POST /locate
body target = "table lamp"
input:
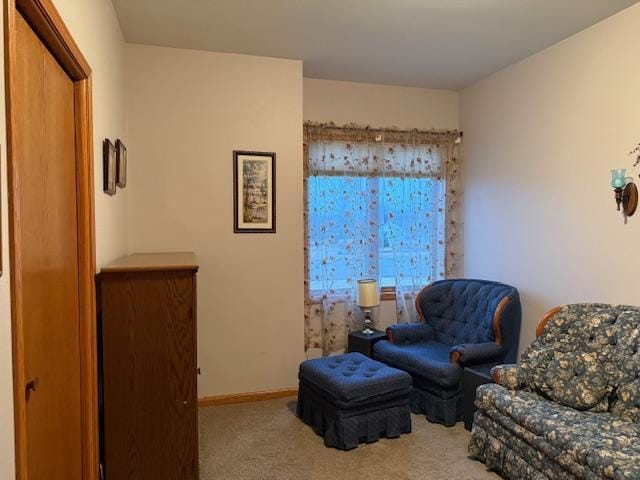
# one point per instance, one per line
(367, 299)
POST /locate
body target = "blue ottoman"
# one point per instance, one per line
(351, 398)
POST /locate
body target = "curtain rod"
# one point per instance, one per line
(372, 129)
(393, 130)
(315, 129)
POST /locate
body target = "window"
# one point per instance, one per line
(373, 214)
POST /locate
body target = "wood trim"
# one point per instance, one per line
(417, 302)
(497, 319)
(46, 22)
(17, 332)
(389, 332)
(49, 26)
(545, 320)
(387, 294)
(153, 262)
(246, 397)
(87, 273)
(455, 358)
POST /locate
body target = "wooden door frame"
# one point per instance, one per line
(47, 23)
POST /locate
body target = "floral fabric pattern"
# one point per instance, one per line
(603, 444)
(572, 407)
(378, 204)
(509, 376)
(585, 354)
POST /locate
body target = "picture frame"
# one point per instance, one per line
(109, 162)
(121, 164)
(254, 192)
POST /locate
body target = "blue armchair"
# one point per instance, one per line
(463, 322)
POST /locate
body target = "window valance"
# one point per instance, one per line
(374, 159)
(353, 133)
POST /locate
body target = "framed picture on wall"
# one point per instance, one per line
(254, 192)
(109, 167)
(121, 164)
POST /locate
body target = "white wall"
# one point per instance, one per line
(379, 106)
(188, 110)
(540, 138)
(95, 28)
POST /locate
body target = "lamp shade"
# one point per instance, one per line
(368, 293)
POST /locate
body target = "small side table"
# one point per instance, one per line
(363, 343)
(472, 378)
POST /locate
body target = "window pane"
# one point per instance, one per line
(341, 234)
(375, 210)
(409, 220)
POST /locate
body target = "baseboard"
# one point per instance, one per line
(246, 397)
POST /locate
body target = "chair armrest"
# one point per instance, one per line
(404, 333)
(508, 376)
(474, 353)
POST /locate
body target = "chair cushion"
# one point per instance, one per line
(626, 402)
(588, 358)
(606, 444)
(353, 377)
(429, 360)
(461, 311)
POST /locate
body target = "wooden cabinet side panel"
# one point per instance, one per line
(118, 319)
(149, 374)
(181, 354)
(194, 317)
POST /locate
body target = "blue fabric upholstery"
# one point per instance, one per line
(462, 311)
(458, 317)
(405, 333)
(477, 353)
(353, 377)
(426, 359)
(351, 398)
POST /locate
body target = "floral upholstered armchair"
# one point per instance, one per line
(571, 409)
(463, 322)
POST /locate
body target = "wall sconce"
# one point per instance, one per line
(625, 190)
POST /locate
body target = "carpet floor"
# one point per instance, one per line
(266, 441)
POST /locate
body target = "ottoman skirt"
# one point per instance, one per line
(347, 420)
(345, 428)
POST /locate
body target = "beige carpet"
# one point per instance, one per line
(266, 441)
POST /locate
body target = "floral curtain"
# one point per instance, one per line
(378, 204)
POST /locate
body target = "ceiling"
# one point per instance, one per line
(423, 43)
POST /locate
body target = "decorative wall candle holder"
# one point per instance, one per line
(626, 192)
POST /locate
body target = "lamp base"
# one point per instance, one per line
(368, 323)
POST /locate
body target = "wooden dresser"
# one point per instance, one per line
(149, 372)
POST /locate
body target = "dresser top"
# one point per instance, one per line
(153, 262)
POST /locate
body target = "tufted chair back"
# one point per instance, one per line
(463, 311)
(587, 356)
